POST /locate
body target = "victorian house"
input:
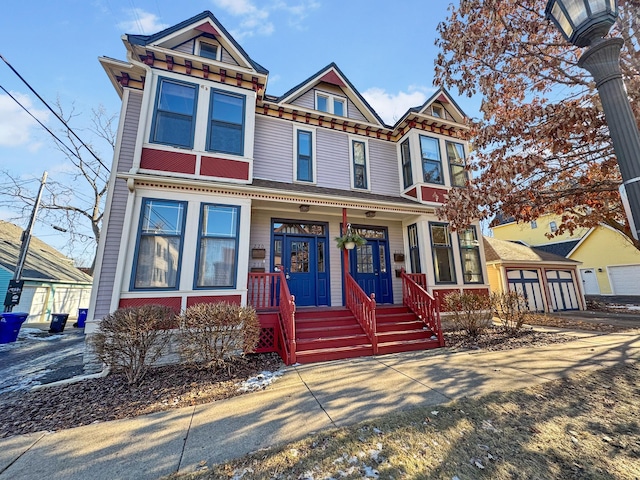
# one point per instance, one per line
(222, 192)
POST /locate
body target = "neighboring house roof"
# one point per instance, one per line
(206, 15)
(560, 248)
(43, 261)
(332, 74)
(510, 252)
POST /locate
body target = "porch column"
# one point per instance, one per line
(345, 252)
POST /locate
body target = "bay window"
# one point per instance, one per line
(159, 244)
(217, 246)
(226, 124)
(431, 160)
(470, 255)
(442, 253)
(455, 155)
(174, 114)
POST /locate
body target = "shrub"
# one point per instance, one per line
(511, 308)
(211, 333)
(470, 312)
(131, 339)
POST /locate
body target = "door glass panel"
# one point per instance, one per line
(383, 258)
(277, 252)
(320, 257)
(364, 255)
(299, 257)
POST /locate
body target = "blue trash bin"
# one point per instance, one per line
(58, 322)
(10, 323)
(82, 316)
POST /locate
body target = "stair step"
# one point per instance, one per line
(326, 323)
(404, 336)
(328, 331)
(399, 326)
(407, 346)
(331, 342)
(392, 309)
(323, 355)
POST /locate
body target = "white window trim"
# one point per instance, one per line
(330, 99)
(216, 44)
(367, 163)
(441, 114)
(314, 157)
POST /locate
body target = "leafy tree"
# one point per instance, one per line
(542, 144)
(74, 197)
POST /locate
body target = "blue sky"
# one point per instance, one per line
(385, 48)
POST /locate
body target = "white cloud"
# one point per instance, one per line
(257, 20)
(391, 106)
(16, 126)
(141, 22)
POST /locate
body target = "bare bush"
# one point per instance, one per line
(511, 308)
(131, 339)
(470, 312)
(211, 333)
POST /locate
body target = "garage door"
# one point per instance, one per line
(562, 289)
(527, 284)
(625, 279)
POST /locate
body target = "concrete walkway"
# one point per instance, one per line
(307, 399)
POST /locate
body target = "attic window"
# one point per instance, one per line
(209, 50)
(437, 111)
(325, 102)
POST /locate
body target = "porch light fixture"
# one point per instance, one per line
(304, 208)
(584, 23)
(370, 214)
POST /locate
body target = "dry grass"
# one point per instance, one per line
(583, 427)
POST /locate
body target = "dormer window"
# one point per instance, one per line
(437, 111)
(325, 102)
(209, 50)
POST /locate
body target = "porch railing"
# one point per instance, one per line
(426, 307)
(269, 291)
(363, 308)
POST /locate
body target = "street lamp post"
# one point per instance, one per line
(584, 23)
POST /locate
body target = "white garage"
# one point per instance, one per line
(625, 279)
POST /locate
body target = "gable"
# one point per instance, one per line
(441, 105)
(335, 85)
(605, 246)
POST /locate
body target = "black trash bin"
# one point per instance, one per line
(58, 321)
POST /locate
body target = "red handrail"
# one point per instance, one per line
(425, 306)
(269, 291)
(287, 318)
(363, 308)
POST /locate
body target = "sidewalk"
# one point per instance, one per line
(307, 399)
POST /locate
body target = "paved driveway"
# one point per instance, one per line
(38, 357)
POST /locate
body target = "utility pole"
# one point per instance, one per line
(15, 285)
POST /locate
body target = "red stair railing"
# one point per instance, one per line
(363, 308)
(269, 291)
(426, 307)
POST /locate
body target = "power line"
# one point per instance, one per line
(54, 112)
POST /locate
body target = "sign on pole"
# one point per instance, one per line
(14, 291)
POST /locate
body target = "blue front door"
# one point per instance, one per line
(370, 268)
(299, 262)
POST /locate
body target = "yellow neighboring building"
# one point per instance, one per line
(610, 264)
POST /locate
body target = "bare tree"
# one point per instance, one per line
(74, 196)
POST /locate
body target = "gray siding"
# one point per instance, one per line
(186, 47)
(332, 156)
(353, 112)
(306, 100)
(273, 150)
(383, 163)
(112, 231)
(225, 57)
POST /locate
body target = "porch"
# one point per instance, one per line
(361, 328)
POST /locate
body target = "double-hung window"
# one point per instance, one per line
(407, 175)
(174, 115)
(218, 246)
(157, 262)
(304, 156)
(431, 160)
(359, 154)
(455, 155)
(226, 124)
(331, 104)
(208, 50)
(414, 249)
(470, 255)
(442, 253)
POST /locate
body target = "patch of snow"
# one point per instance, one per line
(377, 430)
(260, 381)
(238, 474)
(370, 472)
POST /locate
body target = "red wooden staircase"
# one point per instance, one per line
(334, 333)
